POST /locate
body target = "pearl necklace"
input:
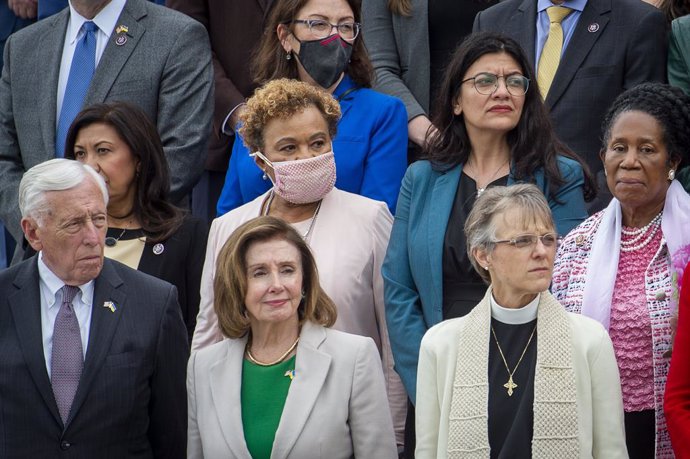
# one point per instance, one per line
(644, 234)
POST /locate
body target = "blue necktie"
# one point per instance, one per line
(80, 74)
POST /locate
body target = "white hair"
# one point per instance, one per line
(54, 175)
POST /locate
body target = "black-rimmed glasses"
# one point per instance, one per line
(320, 28)
(530, 240)
(487, 83)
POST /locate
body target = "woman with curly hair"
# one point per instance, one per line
(616, 266)
(319, 42)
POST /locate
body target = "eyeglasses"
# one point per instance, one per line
(530, 240)
(487, 83)
(319, 28)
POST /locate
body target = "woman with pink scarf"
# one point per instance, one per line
(616, 266)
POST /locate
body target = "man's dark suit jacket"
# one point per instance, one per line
(235, 28)
(616, 45)
(131, 401)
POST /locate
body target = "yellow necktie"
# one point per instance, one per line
(551, 54)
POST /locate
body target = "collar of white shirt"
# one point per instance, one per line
(51, 285)
(105, 20)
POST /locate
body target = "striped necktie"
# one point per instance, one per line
(551, 54)
(78, 82)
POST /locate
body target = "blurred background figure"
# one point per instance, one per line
(234, 28)
(616, 266)
(493, 130)
(289, 125)
(410, 43)
(517, 376)
(584, 53)
(319, 391)
(319, 42)
(145, 231)
(677, 396)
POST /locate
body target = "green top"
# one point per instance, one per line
(264, 390)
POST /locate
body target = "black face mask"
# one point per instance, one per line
(326, 59)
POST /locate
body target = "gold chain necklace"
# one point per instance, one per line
(481, 189)
(510, 385)
(280, 359)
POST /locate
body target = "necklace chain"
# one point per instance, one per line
(267, 208)
(510, 385)
(112, 241)
(275, 362)
(481, 189)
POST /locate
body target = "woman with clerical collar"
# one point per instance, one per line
(518, 376)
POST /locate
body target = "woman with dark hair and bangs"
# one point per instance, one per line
(492, 130)
(145, 231)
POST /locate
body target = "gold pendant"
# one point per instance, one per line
(510, 385)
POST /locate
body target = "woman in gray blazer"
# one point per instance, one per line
(284, 385)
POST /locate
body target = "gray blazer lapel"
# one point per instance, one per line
(311, 369)
(442, 198)
(103, 326)
(114, 56)
(582, 41)
(49, 56)
(523, 28)
(25, 304)
(226, 396)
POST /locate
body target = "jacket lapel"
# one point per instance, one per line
(49, 50)
(103, 326)
(441, 204)
(115, 56)
(311, 369)
(522, 28)
(582, 41)
(226, 397)
(25, 304)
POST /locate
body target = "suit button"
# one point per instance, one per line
(65, 445)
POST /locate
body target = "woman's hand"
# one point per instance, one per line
(419, 128)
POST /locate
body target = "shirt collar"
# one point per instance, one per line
(518, 316)
(577, 5)
(345, 84)
(105, 19)
(52, 284)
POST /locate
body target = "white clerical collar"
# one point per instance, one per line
(517, 316)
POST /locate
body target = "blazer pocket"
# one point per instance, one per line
(122, 359)
(595, 71)
(134, 86)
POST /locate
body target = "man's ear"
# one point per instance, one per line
(32, 233)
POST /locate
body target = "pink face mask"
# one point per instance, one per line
(303, 181)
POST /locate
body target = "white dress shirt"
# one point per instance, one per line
(51, 300)
(106, 20)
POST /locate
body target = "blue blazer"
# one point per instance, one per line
(412, 269)
(370, 151)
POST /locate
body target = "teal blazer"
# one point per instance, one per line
(412, 269)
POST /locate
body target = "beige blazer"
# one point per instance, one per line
(587, 350)
(349, 241)
(335, 407)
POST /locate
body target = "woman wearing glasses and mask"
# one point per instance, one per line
(493, 130)
(288, 126)
(319, 42)
(518, 376)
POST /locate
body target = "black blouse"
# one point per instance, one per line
(462, 286)
(511, 418)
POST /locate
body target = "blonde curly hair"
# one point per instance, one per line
(282, 99)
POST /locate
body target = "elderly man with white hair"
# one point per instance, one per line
(92, 353)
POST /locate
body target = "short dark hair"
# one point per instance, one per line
(533, 143)
(269, 63)
(230, 282)
(670, 106)
(159, 218)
